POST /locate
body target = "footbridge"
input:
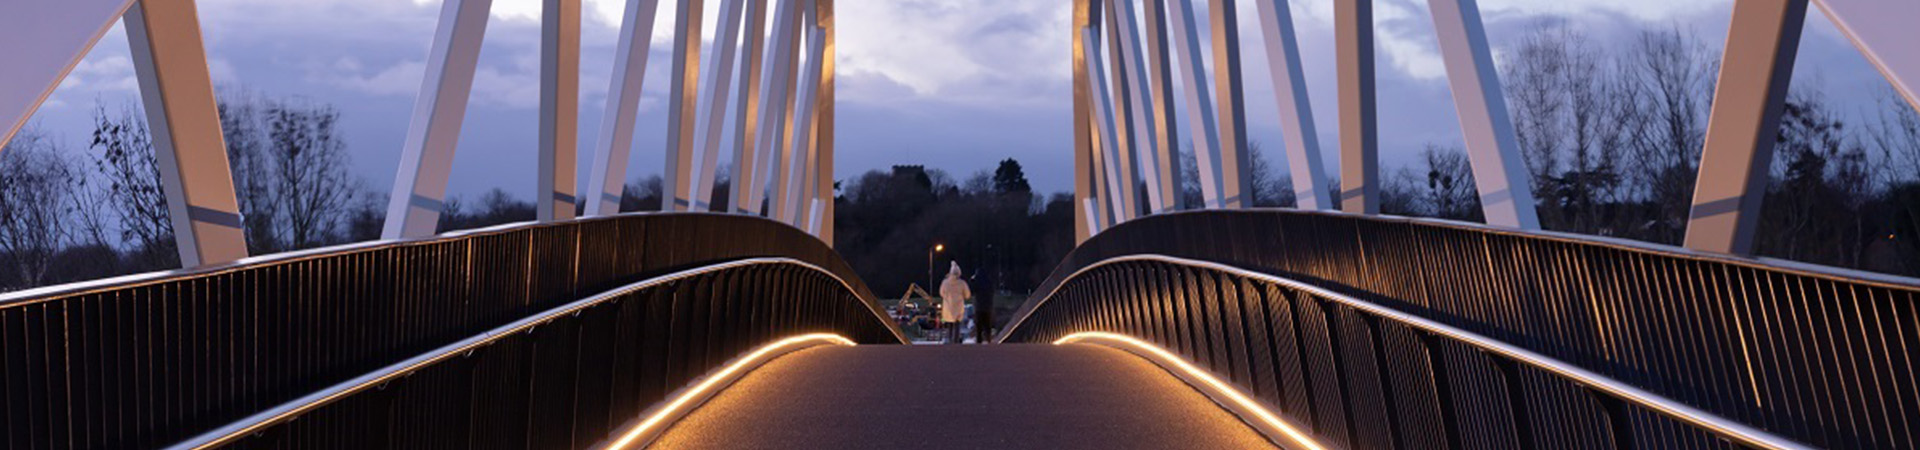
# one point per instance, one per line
(1170, 325)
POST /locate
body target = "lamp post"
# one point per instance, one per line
(932, 288)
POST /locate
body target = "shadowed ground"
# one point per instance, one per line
(927, 397)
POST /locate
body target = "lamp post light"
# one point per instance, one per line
(931, 287)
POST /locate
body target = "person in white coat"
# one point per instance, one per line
(953, 303)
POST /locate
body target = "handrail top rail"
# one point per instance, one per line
(41, 294)
(1757, 262)
(324, 396)
(1670, 408)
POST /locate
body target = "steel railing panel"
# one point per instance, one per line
(144, 360)
(1819, 355)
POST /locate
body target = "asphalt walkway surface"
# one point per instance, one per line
(960, 397)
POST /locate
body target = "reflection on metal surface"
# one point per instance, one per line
(1596, 382)
(288, 411)
(1263, 419)
(660, 419)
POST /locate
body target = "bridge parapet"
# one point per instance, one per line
(148, 360)
(1814, 355)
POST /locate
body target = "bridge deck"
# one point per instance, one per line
(922, 397)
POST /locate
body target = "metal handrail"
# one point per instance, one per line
(307, 403)
(1667, 407)
(43, 294)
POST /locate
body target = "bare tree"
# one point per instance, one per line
(35, 183)
(1819, 187)
(1536, 84)
(312, 188)
(1574, 114)
(1270, 188)
(1896, 134)
(240, 123)
(125, 161)
(1675, 72)
(1450, 192)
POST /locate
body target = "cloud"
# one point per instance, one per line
(402, 78)
(948, 47)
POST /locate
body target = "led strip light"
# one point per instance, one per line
(660, 420)
(1262, 420)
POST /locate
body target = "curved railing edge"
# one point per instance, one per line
(44, 293)
(1670, 408)
(307, 403)
(1841, 274)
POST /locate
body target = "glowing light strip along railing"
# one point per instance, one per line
(310, 402)
(662, 419)
(1676, 410)
(1164, 358)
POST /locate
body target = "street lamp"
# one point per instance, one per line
(932, 288)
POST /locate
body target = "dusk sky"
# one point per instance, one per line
(954, 84)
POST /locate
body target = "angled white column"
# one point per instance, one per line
(1193, 80)
(1102, 201)
(1296, 112)
(426, 157)
(1120, 155)
(559, 108)
(823, 126)
(1359, 144)
(60, 33)
(1754, 73)
(1147, 153)
(1160, 77)
(746, 112)
(606, 179)
(1109, 133)
(677, 171)
(713, 104)
(1236, 179)
(1506, 195)
(774, 143)
(802, 165)
(1883, 30)
(189, 149)
(798, 187)
(1086, 218)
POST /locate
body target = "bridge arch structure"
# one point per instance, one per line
(1325, 326)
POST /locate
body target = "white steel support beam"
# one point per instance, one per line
(1109, 132)
(559, 108)
(426, 157)
(1160, 77)
(806, 164)
(822, 226)
(782, 143)
(1754, 74)
(1296, 112)
(677, 171)
(1193, 80)
(1120, 156)
(1142, 119)
(606, 179)
(188, 148)
(1103, 216)
(803, 162)
(746, 112)
(1236, 181)
(777, 82)
(1883, 31)
(1506, 195)
(1086, 217)
(1359, 142)
(60, 32)
(713, 104)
